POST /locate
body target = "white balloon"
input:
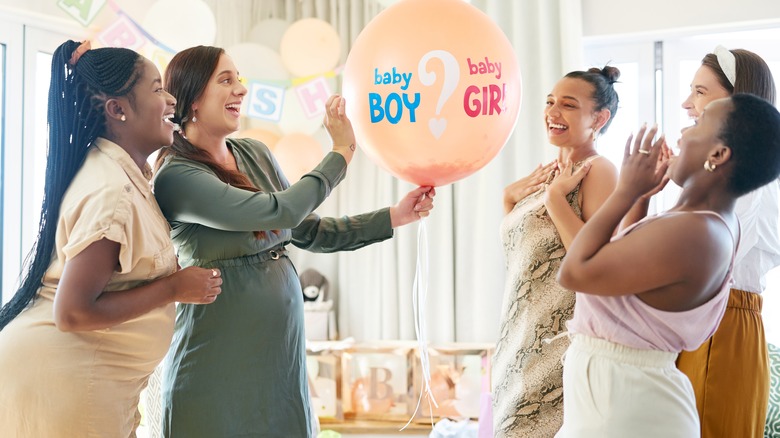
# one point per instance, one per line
(269, 32)
(259, 63)
(294, 118)
(180, 24)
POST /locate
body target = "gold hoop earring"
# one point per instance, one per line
(709, 167)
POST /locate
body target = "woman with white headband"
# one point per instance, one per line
(730, 372)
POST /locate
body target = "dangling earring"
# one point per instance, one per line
(123, 118)
(194, 119)
(595, 135)
(709, 167)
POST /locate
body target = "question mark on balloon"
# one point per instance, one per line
(451, 78)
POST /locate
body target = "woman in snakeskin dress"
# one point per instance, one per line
(545, 210)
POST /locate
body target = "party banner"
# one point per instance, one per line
(265, 95)
(265, 101)
(312, 96)
(122, 33)
(84, 11)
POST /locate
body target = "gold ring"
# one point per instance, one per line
(644, 151)
(214, 273)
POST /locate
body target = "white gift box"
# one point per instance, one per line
(319, 320)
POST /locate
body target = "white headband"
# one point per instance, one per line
(727, 63)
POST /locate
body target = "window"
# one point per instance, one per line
(25, 63)
(2, 147)
(635, 89)
(11, 34)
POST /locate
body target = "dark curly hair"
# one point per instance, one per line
(752, 132)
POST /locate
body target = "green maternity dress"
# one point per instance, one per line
(237, 367)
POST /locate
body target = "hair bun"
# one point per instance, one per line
(611, 73)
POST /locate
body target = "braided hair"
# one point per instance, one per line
(77, 94)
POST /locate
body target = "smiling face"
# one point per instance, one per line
(150, 109)
(705, 88)
(219, 106)
(569, 114)
(698, 141)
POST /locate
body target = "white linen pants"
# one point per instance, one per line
(610, 390)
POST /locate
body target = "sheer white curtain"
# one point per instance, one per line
(373, 286)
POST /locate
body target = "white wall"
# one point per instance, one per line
(611, 17)
(600, 17)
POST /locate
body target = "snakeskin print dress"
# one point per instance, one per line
(527, 371)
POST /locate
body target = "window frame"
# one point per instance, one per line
(23, 34)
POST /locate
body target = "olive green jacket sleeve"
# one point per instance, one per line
(347, 233)
(189, 192)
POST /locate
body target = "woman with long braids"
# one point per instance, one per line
(94, 313)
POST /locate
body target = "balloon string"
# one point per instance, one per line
(419, 299)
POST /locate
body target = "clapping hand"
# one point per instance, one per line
(644, 164)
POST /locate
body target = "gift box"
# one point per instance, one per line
(377, 381)
(323, 366)
(460, 374)
(319, 320)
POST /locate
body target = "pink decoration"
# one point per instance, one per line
(312, 95)
(122, 33)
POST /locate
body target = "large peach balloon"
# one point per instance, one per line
(267, 137)
(310, 46)
(432, 89)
